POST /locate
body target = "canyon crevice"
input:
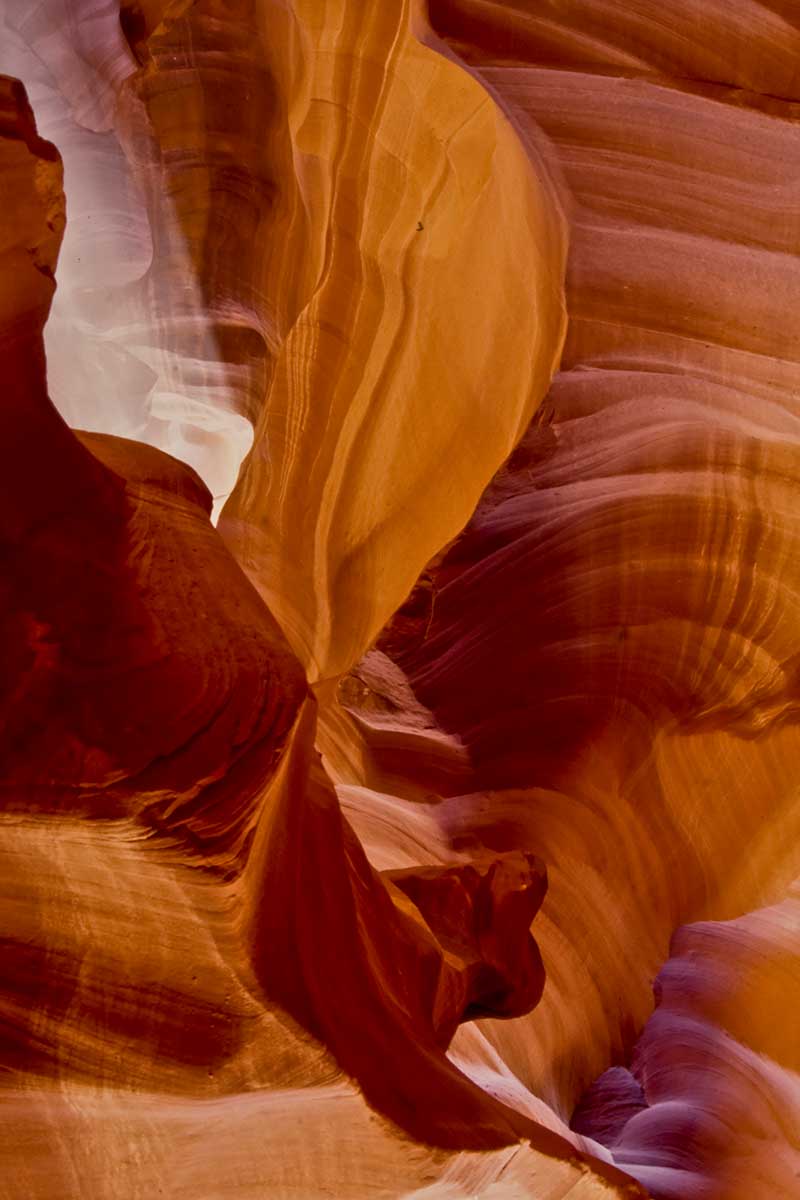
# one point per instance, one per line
(400, 478)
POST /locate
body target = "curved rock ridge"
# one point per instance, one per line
(187, 916)
(716, 1072)
(611, 640)
(430, 827)
(382, 197)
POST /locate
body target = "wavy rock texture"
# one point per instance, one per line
(180, 888)
(715, 1073)
(625, 590)
(429, 827)
(397, 191)
(177, 874)
(248, 125)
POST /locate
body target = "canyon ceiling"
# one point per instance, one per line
(400, 599)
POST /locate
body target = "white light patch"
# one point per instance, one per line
(116, 337)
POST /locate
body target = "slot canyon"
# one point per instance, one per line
(400, 529)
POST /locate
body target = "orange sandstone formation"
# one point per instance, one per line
(178, 878)
(429, 827)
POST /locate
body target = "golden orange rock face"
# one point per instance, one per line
(399, 691)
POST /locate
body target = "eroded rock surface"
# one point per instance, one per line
(430, 826)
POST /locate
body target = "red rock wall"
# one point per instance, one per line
(429, 826)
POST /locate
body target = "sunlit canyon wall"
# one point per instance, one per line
(400, 599)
